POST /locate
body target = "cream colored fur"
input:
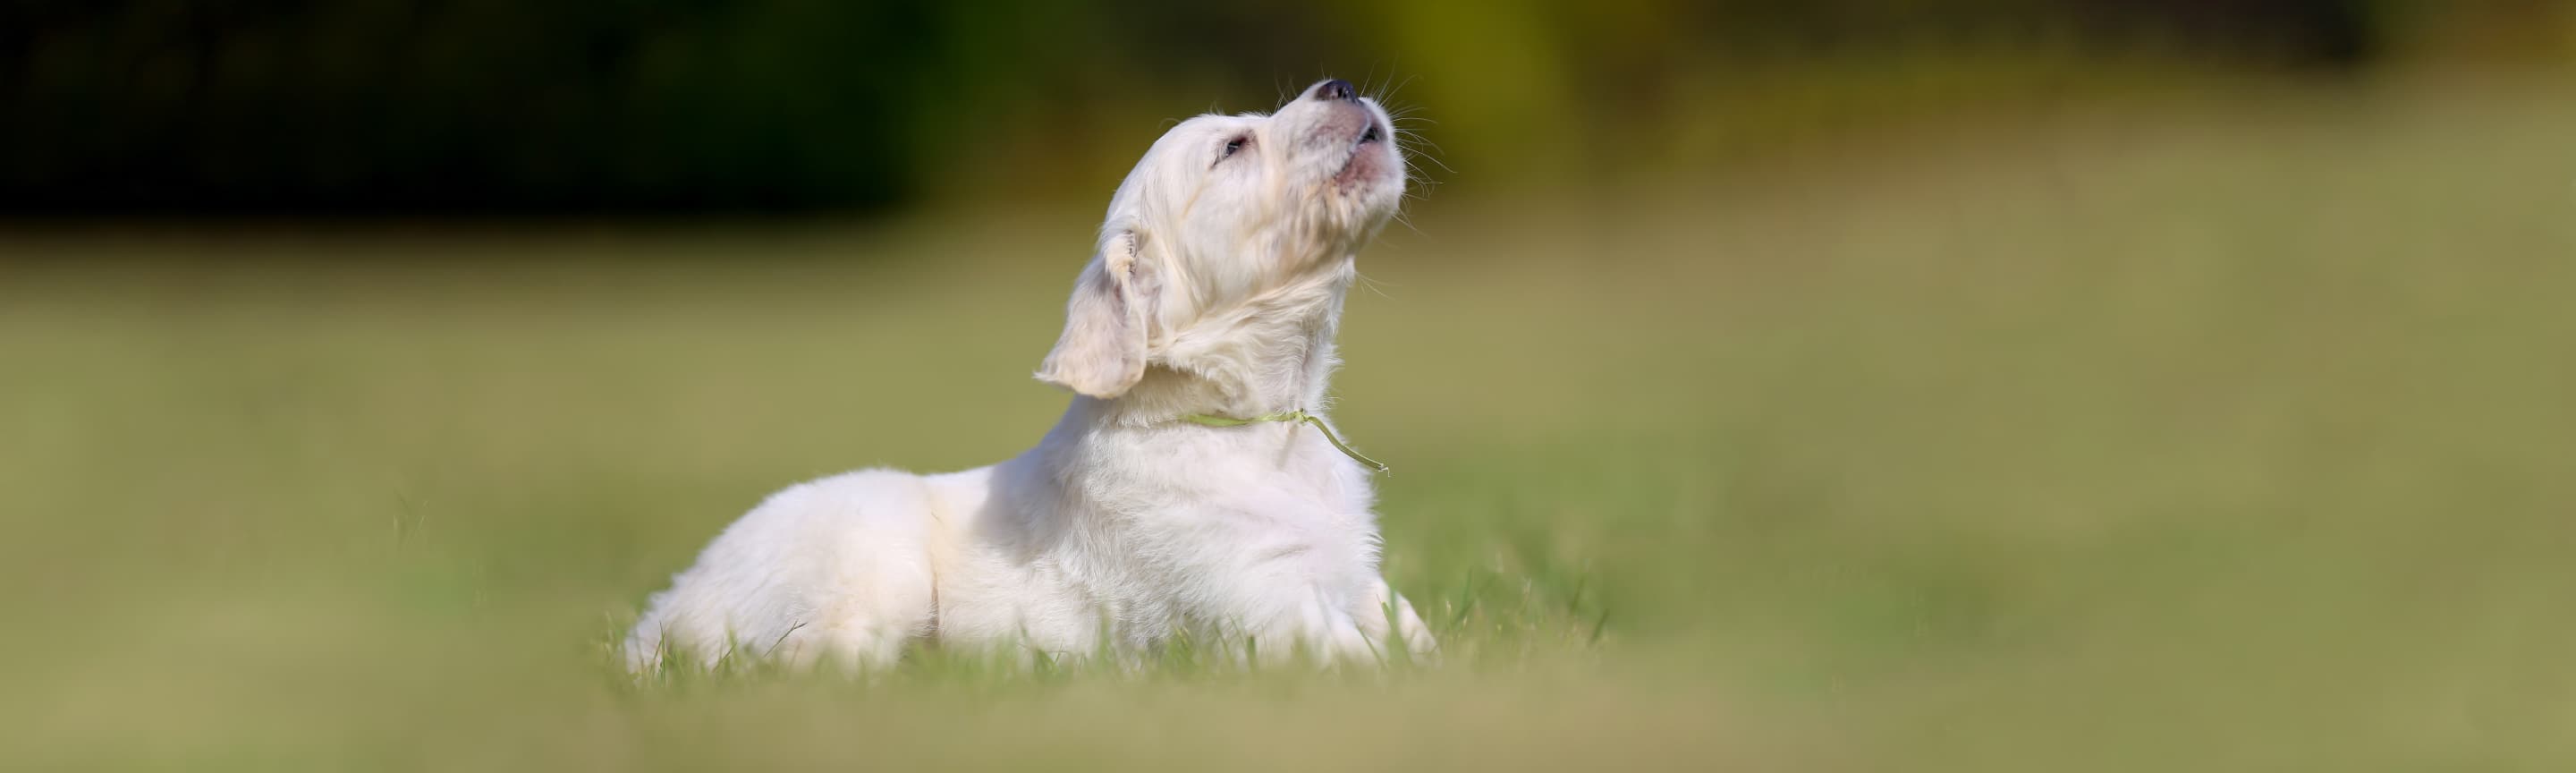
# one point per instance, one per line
(1216, 289)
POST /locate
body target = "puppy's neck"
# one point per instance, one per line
(1270, 354)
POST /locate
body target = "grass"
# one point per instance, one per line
(2224, 435)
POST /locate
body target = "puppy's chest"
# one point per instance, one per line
(1265, 473)
(1182, 512)
(1151, 572)
(1238, 537)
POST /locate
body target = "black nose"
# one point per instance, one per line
(1336, 89)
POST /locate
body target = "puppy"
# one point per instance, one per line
(1191, 490)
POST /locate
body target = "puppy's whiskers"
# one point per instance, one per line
(1370, 284)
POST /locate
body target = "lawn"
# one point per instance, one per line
(2212, 433)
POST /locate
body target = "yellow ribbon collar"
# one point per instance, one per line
(1291, 416)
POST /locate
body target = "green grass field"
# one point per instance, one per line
(2229, 434)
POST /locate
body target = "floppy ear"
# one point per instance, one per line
(1102, 351)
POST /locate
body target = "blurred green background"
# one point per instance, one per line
(1853, 386)
(493, 106)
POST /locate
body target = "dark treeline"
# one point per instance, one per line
(567, 106)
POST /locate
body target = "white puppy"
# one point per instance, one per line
(1153, 509)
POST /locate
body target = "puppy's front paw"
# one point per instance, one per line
(1388, 607)
(1315, 629)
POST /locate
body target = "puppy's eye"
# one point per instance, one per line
(1233, 145)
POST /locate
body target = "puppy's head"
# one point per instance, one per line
(1222, 210)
